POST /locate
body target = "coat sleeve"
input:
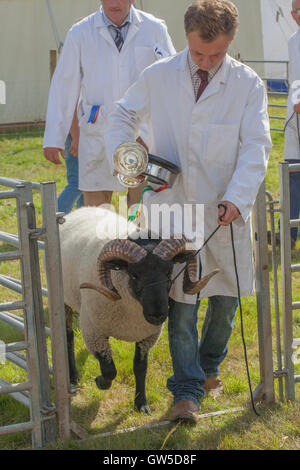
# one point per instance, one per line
(163, 48)
(63, 95)
(255, 146)
(166, 41)
(124, 122)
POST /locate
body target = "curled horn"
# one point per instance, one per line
(168, 249)
(191, 284)
(125, 250)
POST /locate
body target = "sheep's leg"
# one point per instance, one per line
(70, 345)
(107, 368)
(140, 364)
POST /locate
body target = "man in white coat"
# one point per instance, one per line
(102, 56)
(208, 115)
(292, 137)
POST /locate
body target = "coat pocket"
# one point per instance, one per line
(222, 145)
(92, 120)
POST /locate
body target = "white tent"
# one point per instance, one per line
(28, 30)
(277, 26)
(265, 28)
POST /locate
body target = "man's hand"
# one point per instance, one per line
(52, 154)
(75, 133)
(297, 108)
(228, 216)
(141, 142)
(74, 145)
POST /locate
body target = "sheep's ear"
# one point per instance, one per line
(182, 257)
(118, 264)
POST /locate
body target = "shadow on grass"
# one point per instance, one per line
(189, 438)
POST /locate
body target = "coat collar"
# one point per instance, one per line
(219, 79)
(137, 20)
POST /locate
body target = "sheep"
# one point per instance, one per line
(119, 287)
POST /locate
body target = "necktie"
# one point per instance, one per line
(119, 41)
(204, 82)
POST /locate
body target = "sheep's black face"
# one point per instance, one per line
(150, 281)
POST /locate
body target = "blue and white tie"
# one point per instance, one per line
(119, 41)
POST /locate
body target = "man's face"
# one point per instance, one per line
(117, 10)
(295, 15)
(208, 55)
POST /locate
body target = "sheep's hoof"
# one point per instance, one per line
(102, 383)
(144, 409)
(73, 389)
(74, 380)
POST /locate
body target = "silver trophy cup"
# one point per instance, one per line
(134, 166)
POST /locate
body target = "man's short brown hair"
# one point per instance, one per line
(210, 18)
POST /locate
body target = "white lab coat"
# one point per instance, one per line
(291, 144)
(90, 66)
(221, 144)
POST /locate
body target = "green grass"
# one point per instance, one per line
(277, 427)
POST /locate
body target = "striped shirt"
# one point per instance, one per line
(196, 80)
(111, 26)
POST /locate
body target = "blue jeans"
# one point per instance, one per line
(71, 194)
(294, 198)
(194, 361)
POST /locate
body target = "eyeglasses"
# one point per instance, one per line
(296, 11)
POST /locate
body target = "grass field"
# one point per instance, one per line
(277, 427)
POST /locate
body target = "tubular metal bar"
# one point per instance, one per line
(295, 268)
(280, 118)
(15, 284)
(9, 238)
(294, 222)
(295, 167)
(10, 255)
(22, 397)
(11, 284)
(272, 210)
(278, 93)
(265, 389)
(18, 305)
(13, 428)
(13, 321)
(20, 346)
(8, 194)
(287, 312)
(19, 360)
(56, 310)
(277, 105)
(13, 240)
(18, 322)
(12, 388)
(12, 183)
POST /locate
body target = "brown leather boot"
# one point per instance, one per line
(213, 386)
(185, 410)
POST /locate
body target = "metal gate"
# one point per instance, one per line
(290, 344)
(35, 392)
(286, 344)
